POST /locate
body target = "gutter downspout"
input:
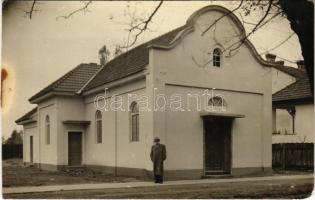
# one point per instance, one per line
(38, 132)
(115, 139)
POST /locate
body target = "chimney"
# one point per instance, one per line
(280, 62)
(301, 65)
(271, 57)
(103, 54)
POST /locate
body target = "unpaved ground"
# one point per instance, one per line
(14, 174)
(291, 189)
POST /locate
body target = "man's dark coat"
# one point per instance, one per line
(158, 155)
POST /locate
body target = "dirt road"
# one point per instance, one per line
(295, 188)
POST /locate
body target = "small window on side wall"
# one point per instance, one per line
(217, 103)
(47, 129)
(134, 122)
(98, 122)
(217, 53)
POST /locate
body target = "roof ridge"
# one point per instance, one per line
(82, 88)
(295, 72)
(54, 85)
(145, 43)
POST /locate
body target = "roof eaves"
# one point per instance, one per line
(27, 115)
(52, 87)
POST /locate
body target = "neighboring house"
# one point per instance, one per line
(67, 128)
(293, 104)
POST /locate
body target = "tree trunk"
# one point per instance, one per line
(300, 13)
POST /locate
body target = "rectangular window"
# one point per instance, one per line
(216, 61)
(48, 134)
(135, 128)
(99, 131)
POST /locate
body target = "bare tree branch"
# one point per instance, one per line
(82, 9)
(141, 27)
(227, 14)
(241, 41)
(31, 10)
(260, 24)
(278, 45)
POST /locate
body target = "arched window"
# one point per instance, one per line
(217, 57)
(98, 121)
(134, 122)
(217, 103)
(47, 129)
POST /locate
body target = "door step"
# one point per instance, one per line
(217, 176)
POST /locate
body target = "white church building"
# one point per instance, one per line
(210, 107)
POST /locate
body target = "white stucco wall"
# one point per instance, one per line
(280, 80)
(47, 152)
(304, 125)
(116, 148)
(68, 108)
(184, 130)
(305, 122)
(245, 82)
(30, 130)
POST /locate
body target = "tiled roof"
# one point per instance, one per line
(300, 89)
(297, 73)
(27, 116)
(130, 62)
(72, 81)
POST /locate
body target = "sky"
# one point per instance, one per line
(36, 52)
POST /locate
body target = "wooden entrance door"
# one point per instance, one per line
(74, 148)
(217, 145)
(31, 149)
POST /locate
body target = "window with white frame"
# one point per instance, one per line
(134, 122)
(47, 129)
(217, 53)
(217, 103)
(98, 122)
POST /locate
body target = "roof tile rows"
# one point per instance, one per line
(89, 76)
(72, 81)
(291, 71)
(130, 62)
(300, 89)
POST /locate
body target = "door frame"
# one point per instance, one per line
(204, 144)
(82, 144)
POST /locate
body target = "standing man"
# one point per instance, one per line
(158, 155)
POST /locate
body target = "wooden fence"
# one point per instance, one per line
(293, 155)
(12, 151)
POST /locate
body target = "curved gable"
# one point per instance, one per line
(225, 13)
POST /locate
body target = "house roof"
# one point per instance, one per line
(300, 89)
(27, 116)
(297, 73)
(130, 62)
(88, 76)
(72, 81)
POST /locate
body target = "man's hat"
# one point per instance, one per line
(156, 139)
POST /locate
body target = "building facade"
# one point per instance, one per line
(293, 104)
(211, 108)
